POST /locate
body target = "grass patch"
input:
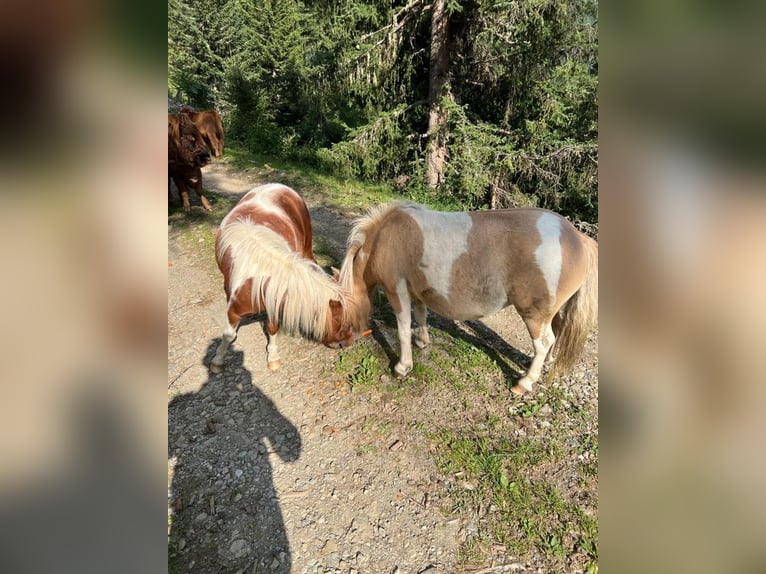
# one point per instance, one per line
(307, 179)
(220, 203)
(197, 229)
(345, 192)
(454, 362)
(367, 372)
(588, 447)
(359, 365)
(499, 478)
(503, 457)
(324, 255)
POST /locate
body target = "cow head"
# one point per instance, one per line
(185, 144)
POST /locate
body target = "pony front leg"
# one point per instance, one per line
(229, 334)
(402, 308)
(542, 344)
(273, 361)
(422, 339)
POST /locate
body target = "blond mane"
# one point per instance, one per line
(363, 226)
(293, 289)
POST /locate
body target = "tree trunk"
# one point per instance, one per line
(437, 116)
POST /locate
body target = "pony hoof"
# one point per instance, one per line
(216, 368)
(274, 365)
(400, 373)
(420, 344)
(519, 390)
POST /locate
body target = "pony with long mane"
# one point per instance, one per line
(470, 265)
(264, 251)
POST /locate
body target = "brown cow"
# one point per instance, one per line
(210, 126)
(187, 154)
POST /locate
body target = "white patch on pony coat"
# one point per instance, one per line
(445, 239)
(548, 253)
(262, 197)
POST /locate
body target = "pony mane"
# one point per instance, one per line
(363, 226)
(292, 288)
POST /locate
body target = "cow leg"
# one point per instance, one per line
(272, 348)
(422, 339)
(229, 334)
(400, 301)
(542, 340)
(209, 143)
(201, 192)
(183, 192)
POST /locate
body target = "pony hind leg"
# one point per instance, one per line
(556, 324)
(543, 340)
(422, 338)
(228, 336)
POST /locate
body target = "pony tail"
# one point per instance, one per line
(578, 315)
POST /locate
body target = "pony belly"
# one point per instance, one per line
(464, 308)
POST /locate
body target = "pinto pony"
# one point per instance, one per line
(264, 250)
(469, 265)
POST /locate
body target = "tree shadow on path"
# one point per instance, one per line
(225, 509)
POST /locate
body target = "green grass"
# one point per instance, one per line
(507, 480)
(503, 478)
(367, 372)
(324, 254)
(220, 203)
(453, 361)
(588, 443)
(526, 512)
(346, 193)
(359, 365)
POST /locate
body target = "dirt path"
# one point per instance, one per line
(290, 471)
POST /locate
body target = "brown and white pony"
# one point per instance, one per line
(469, 265)
(264, 250)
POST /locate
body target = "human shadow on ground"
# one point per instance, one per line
(226, 514)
